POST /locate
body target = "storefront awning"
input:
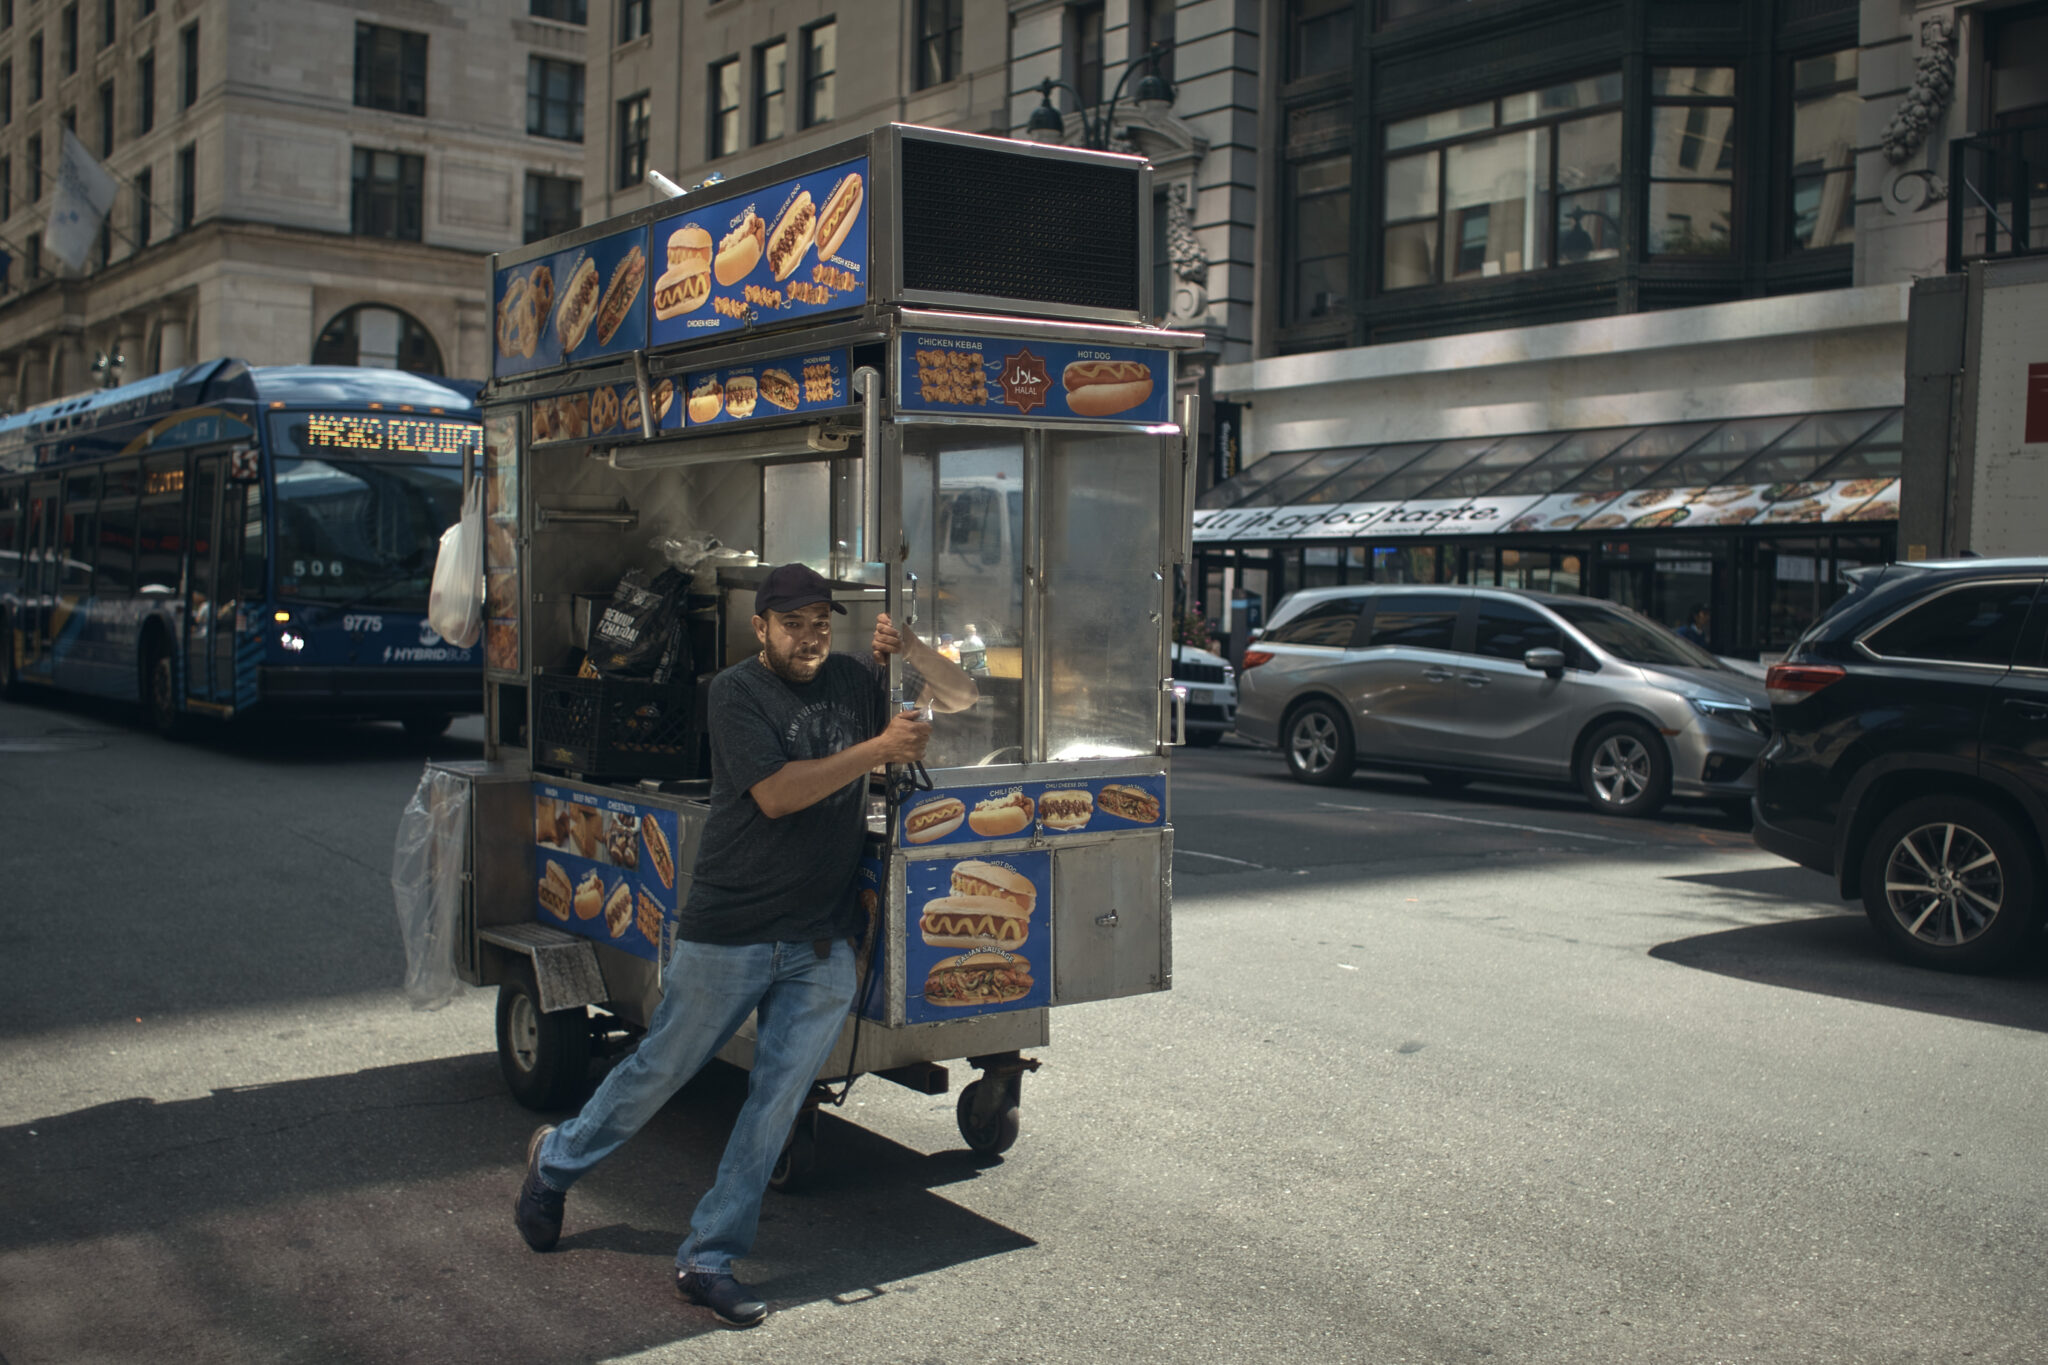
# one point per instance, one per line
(1753, 471)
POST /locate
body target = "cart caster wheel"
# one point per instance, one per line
(799, 1159)
(544, 1058)
(998, 1132)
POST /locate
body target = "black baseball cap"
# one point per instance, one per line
(792, 586)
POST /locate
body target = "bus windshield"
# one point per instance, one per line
(362, 532)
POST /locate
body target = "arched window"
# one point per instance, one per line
(371, 334)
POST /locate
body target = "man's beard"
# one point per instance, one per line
(788, 667)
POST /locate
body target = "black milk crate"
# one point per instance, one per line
(610, 727)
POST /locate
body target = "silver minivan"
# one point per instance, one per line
(1461, 683)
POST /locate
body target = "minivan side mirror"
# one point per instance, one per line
(1549, 661)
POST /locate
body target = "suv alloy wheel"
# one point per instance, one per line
(1949, 883)
(1319, 745)
(1625, 769)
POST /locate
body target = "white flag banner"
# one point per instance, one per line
(84, 194)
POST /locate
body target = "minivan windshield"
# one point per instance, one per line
(1631, 638)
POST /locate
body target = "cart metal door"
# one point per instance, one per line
(1109, 931)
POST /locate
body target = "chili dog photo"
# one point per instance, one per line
(1129, 803)
(933, 819)
(620, 294)
(1065, 810)
(985, 977)
(707, 400)
(835, 220)
(589, 896)
(1102, 388)
(618, 910)
(792, 237)
(579, 305)
(740, 393)
(1001, 816)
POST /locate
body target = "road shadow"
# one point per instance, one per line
(1839, 955)
(367, 1217)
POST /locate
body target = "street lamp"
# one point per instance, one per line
(1153, 95)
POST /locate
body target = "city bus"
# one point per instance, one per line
(230, 539)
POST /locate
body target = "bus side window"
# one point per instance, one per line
(253, 586)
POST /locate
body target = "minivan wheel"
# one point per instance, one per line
(1949, 883)
(1319, 745)
(1624, 769)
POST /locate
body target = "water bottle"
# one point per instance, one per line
(974, 651)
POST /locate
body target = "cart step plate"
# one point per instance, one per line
(564, 966)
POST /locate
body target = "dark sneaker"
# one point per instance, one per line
(538, 1209)
(731, 1302)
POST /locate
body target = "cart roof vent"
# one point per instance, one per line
(1004, 225)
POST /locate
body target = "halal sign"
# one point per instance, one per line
(1024, 381)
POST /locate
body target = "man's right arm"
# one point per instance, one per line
(805, 782)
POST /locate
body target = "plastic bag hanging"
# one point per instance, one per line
(455, 606)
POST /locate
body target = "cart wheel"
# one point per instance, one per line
(799, 1159)
(998, 1133)
(544, 1058)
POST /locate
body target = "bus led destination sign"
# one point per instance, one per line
(375, 431)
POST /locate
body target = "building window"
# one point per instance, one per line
(69, 118)
(633, 20)
(1692, 161)
(632, 140)
(561, 11)
(188, 186)
(1085, 38)
(938, 42)
(771, 99)
(35, 68)
(1823, 189)
(145, 93)
(725, 107)
(106, 120)
(107, 13)
(6, 13)
(554, 204)
(391, 69)
(374, 335)
(1158, 31)
(146, 7)
(35, 168)
(35, 255)
(1507, 185)
(1318, 37)
(1319, 237)
(67, 40)
(188, 41)
(554, 99)
(821, 67)
(387, 192)
(6, 93)
(6, 188)
(144, 187)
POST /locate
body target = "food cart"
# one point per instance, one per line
(917, 362)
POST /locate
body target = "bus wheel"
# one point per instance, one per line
(424, 728)
(160, 693)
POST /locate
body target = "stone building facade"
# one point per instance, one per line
(289, 170)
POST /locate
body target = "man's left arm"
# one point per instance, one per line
(946, 685)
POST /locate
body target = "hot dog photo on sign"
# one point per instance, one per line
(1104, 388)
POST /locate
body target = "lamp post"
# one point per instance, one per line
(1098, 125)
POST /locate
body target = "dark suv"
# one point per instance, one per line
(1909, 758)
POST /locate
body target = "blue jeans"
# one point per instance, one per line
(710, 989)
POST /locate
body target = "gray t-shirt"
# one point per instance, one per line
(759, 880)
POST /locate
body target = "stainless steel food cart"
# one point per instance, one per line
(918, 362)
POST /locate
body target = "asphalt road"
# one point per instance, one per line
(1441, 1079)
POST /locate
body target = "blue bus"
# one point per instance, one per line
(229, 539)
